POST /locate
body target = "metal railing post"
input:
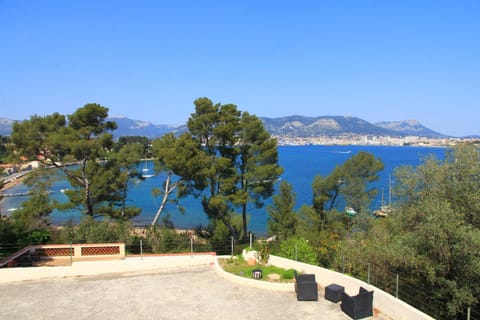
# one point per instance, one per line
(191, 244)
(396, 287)
(368, 275)
(251, 240)
(296, 252)
(71, 254)
(468, 313)
(232, 246)
(141, 250)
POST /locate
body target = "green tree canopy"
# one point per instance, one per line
(34, 213)
(431, 236)
(84, 140)
(350, 181)
(282, 220)
(226, 157)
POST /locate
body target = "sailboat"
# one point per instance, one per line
(385, 209)
(145, 172)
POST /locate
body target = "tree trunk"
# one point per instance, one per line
(244, 220)
(166, 193)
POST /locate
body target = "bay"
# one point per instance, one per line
(301, 164)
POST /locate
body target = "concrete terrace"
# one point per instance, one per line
(166, 287)
(89, 290)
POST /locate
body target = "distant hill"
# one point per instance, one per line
(126, 127)
(410, 128)
(130, 127)
(291, 126)
(5, 126)
(337, 125)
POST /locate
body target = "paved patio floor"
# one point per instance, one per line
(185, 293)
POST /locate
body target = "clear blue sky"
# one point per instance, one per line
(149, 60)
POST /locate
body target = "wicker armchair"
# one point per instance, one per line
(306, 287)
(359, 306)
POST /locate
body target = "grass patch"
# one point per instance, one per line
(240, 267)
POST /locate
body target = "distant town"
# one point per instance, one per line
(351, 139)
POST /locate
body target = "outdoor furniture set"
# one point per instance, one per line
(357, 307)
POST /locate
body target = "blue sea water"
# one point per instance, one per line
(301, 164)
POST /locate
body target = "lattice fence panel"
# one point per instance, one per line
(54, 252)
(100, 251)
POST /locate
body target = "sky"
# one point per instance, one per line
(149, 60)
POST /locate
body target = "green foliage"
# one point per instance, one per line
(429, 239)
(32, 137)
(4, 150)
(258, 168)
(7, 234)
(90, 230)
(122, 173)
(163, 240)
(298, 249)
(309, 223)
(37, 237)
(31, 221)
(322, 237)
(227, 157)
(263, 251)
(99, 182)
(282, 221)
(350, 181)
(142, 142)
(240, 268)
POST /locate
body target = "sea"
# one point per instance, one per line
(300, 163)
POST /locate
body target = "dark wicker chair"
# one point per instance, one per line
(306, 287)
(359, 306)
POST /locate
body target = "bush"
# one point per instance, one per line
(7, 235)
(37, 237)
(298, 249)
(90, 230)
(163, 239)
(288, 274)
(263, 252)
(240, 267)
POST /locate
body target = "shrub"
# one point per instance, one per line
(163, 239)
(90, 230)
(263, 252)
(298, 249)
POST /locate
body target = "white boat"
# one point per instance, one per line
(146, 171)
(385, 210)
(350, 211)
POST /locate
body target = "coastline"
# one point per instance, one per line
(8, 185)
(12, 183)
(301, 164)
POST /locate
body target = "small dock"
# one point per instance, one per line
(19, 194)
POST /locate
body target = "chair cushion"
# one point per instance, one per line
(305, 278)
(363, 290)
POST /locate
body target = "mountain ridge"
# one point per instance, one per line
(409, 127)
(291, 126)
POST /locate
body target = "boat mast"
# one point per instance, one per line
(389, 190)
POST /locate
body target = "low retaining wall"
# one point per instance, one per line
(79, 252)
(251, 282)
(386, 303)
(67, 252)
(128, 265)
